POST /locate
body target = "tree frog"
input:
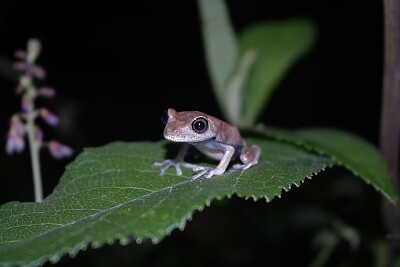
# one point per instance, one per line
(214, 138)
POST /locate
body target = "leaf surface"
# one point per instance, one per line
(112, 193)
(351, 151)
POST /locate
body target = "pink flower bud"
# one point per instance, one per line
(50, 118)
(20, 54)
(47, 92)
(39, 72)
(19, 66)
(19, 89)
(36, 71)
(15, 143)
(58, 150)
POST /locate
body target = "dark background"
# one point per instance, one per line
(117, 67)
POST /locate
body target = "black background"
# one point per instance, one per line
(118, 66)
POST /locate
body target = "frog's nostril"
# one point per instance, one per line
(164, 117)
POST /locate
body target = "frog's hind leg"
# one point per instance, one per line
(249, 157)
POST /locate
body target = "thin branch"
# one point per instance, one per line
(390, 117)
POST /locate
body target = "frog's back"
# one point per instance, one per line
(227, 133)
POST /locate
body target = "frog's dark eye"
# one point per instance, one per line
(164, 117)
(200, 125)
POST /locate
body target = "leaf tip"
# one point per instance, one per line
(123, 241)
(55, 258)
(182, 226)
(154, 240)
(96, 244)
(267, 199)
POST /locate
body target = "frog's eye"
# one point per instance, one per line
(164, 117)
(200, 125)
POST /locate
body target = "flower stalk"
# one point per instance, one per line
(34, 147)
(23, 124)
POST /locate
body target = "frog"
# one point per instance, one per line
(214, 138)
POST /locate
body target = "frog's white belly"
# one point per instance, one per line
(212, 149)
(212, 153)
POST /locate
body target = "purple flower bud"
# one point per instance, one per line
(39, 135)
(19, 89)
(58, 150)
(35, 70)
(15, 143)
(39, 72)
(47, 92)
(50, 118)
(25, 104)
(19, 66)
(20, 54)
(17, 125)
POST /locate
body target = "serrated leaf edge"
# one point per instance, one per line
(125, 239)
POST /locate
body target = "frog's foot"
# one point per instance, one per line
(242, 167)
(204, 172)
(174, 163)
(207, 172)
(235, 168)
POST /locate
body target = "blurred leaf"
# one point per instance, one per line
(277, 45)
(351, 151)
(112, 193)
(220, 46)
(236, 86)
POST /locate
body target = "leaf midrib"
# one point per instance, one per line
(101, 212)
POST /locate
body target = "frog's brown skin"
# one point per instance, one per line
(214, 138)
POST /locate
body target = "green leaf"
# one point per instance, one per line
(354, 153)
(220, 45)
(112, 193)
(277, 45)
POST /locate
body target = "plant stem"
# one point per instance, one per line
(390, 117)
(323, 256)
(34, 146)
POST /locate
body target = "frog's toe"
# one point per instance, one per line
(194, 167)
(237, 166)
(157, 164)
(198, 175)
(209, 174)
(166, 165)
(176, 166)
(204, 172)
(241, 167)
(200, 168)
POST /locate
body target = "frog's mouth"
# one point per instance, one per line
(185, 138)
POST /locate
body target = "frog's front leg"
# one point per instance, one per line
(223, 164)
(177, 162)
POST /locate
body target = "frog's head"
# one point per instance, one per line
(187, 126)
